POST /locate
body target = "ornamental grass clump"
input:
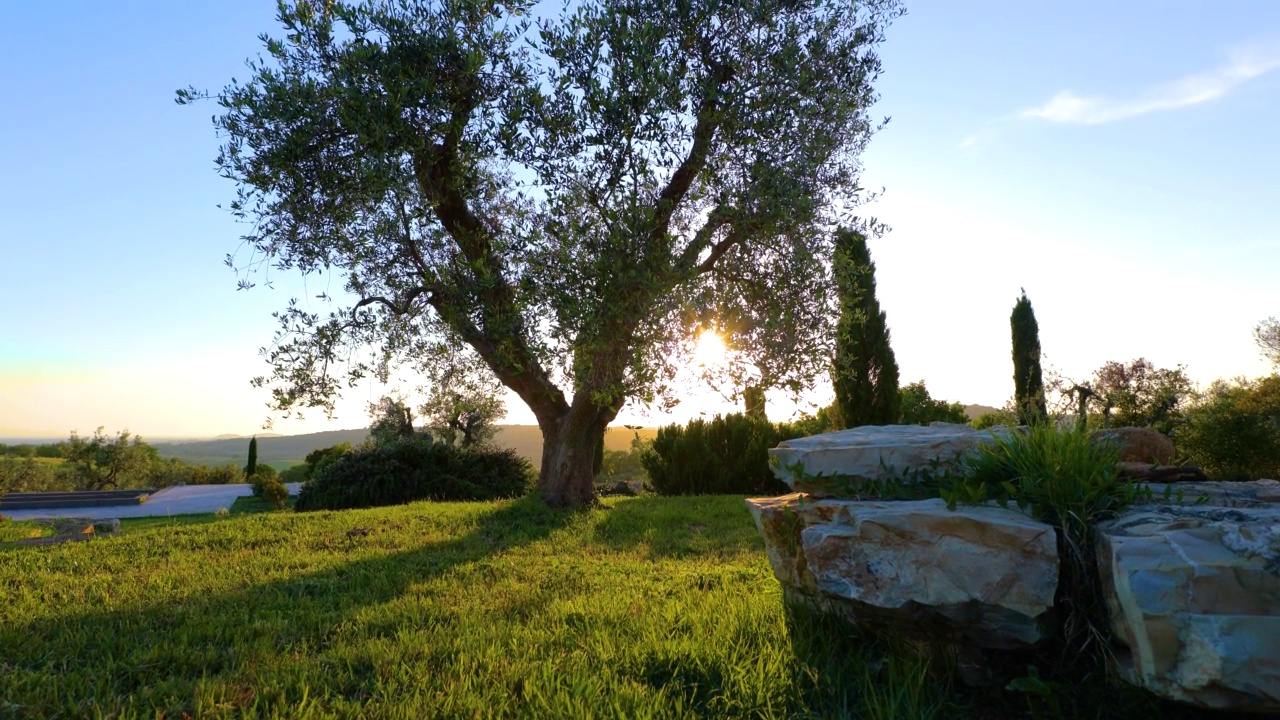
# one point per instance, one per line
(1062, 478)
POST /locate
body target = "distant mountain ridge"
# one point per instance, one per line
(282, 451)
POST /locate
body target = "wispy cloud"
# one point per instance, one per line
(1243, 65)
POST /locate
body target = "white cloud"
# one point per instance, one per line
(969, 142)
(1244, 65)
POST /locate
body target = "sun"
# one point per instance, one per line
(709, 350)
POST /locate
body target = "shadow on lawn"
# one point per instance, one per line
(680, 527)
(112, 654)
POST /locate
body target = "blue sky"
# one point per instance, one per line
(1117, 160)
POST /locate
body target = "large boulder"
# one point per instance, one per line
(981, 577)
(1138, 444)
(1192, 580)
(832, 464)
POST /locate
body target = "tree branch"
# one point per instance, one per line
(704, 131)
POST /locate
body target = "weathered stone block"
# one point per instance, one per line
(873, 452)
(1194, 593)
(984, 576)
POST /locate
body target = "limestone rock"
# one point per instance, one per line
(872, 452)
(106, 525)
(984, 577)
(72, 526)
(1193, 586)
(1138, 444)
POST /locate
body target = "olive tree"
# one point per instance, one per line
(569, 195)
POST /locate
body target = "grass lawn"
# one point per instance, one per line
(657, 607)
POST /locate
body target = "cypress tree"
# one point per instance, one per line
(252, 466)
(1028, 381)
(865, 372)
(753, 400)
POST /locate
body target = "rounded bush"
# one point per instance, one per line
(726, 455)
(415, 469)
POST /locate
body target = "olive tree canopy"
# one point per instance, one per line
(568, 192)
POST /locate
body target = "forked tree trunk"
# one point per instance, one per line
(568, 460)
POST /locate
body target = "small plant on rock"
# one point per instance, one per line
(1064, 479)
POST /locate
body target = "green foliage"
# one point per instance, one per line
(259, 481)
(1139, 394)
(865, 372)
(414, 469)
(317, 460)
(655, 608)
(34, 474)
(22, 450)
(1266, 335)
(726, 455)
(564, 199)
(991, 419)
(271, 490)
(101, 463)
(1064, 479)
(1232, 431)
(299, 473)
(164, 473)
(919, 408)
(1028, 380)
(392, 421)
(251, 467)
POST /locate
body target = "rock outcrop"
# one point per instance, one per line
(983, 577)
(826, 465)
(1193, 585)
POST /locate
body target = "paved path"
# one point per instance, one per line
(177, 500)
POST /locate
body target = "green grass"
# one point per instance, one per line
(22, 530)
(655, 608)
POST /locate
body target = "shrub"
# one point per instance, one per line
(1063, 478)
(260, 480)
(992, 419)
(299, 473)
(415, 469)
(319, 458)
(1233, 431)
(726, 455)
(273, 491)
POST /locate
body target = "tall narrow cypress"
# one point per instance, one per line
(865, 372)
(1028, 381)
(252, 466)
(753, 400)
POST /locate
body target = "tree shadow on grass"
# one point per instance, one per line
(99, 658)
(680, 527)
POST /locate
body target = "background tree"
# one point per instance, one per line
(465, 405)
(1267, 336)
(1028, 381)
(566, 199)
(251, 466)
(392, 420)
(1139, 394)
(919, 408)
(864, 371)
(101, 462)
(1232, 430)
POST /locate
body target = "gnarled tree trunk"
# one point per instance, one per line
(568, 459)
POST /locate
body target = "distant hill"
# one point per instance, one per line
(282, 451)
(975, 411)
